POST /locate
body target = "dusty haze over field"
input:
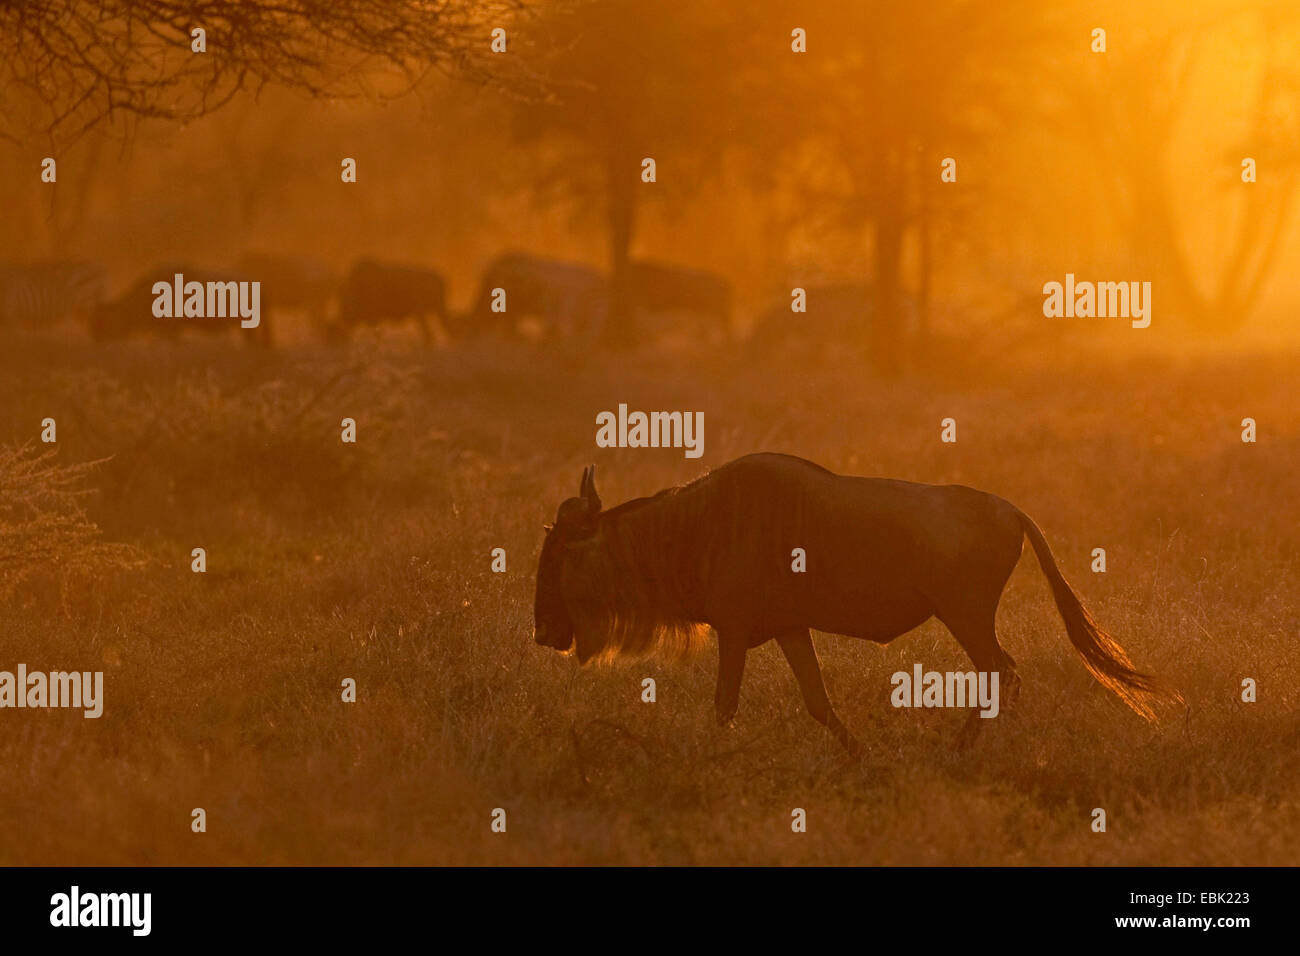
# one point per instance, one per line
(774, 170)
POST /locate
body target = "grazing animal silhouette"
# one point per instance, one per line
(131, 312)
(883, 556)
(375, 292)
(570, 300)
(293, 282)
(654, 288)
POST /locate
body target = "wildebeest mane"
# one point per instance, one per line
(642, 577)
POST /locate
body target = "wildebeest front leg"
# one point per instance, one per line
(799, 652)
(731, 668)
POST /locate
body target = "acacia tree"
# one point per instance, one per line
(626, 80)
(1132, 116)
(893, 89)
(68, 65)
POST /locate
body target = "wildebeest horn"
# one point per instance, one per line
(587, 490)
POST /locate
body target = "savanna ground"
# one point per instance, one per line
(372, 561)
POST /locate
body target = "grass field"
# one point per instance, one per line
(372, 561)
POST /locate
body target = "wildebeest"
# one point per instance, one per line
(375, 292)
(655, 288)
(293, 282)
(132, 312)
(53, 290)
(569, 300)
(882, 557)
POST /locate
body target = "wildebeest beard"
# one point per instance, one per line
(633, 588)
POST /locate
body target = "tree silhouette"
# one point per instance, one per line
(67, 65)
(1131, 120)
(626, 80)
(892, 90)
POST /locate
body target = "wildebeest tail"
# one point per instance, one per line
(1101, 653)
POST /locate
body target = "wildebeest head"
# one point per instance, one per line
(574, 530)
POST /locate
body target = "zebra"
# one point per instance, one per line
(44, 293)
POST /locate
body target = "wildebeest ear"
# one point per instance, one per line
(587, 491)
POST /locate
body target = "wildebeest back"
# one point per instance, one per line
(378, 291)
(295, 281)
(661, 287)
(881, 555)
(570, 299)
(131, 312)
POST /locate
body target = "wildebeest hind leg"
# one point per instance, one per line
(731, 668)
(802, 657)
(978, 637)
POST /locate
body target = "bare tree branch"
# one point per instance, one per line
(76, 64)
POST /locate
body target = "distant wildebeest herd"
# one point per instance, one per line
(518, 294)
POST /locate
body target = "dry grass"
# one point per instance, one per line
(372, 561)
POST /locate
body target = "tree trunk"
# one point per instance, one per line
(67, 229)
(620, 328)
(886, 339)
(924, 281)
